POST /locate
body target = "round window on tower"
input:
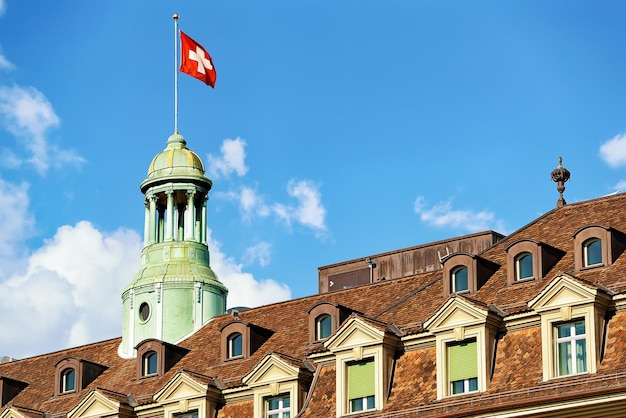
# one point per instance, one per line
(144, 311)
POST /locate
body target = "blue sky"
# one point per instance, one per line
(337, 130)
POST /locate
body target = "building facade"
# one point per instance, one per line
(532, 324)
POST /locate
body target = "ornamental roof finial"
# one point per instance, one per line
(560, 175)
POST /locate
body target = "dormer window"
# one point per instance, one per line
(150, 362)
(323, 326)
(465, 273)
(459, 279)
(73, 374)
(597, 246)
(524, 266)
(235, 345)
(155, 357)
(241, 339)
(592, 252)
(324, 319)
(529, 260)
(68, 380)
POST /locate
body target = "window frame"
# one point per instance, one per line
(325, 317)
(148, 359)
(571, 340)
(365, 398)
(231, 340)
(63, 384)
(585, 248)
(282, 411)
(453, 276)
(518, 266)
(466, 381)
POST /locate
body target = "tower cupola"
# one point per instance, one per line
(175, 291)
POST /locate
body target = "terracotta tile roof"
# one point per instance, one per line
(401, 306)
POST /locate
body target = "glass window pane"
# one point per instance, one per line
(151, 363)
(581, 356)
(324, 326)
(459, 279)
(565, 358)
(286, 402)
(67, 380)
(564, 330)
(356, 404)
(580, 328)
(458, 386)
(593, 252)
(235, 343)
(371, 402)
(473, 384)
(525, 266)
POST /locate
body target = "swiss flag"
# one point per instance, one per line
(195, 61)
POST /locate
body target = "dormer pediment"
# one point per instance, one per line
(180, 387)
(564, 291)
(456, 312)
(355, 332)
(95, 404)
(271, 369)
(13, 412)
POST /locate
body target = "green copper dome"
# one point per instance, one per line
(175, 161)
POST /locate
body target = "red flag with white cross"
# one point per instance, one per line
(196, 61)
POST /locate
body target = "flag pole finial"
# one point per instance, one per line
(175, 16)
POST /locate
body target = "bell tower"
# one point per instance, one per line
(175, 291)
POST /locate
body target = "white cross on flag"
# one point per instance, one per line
(195, 61)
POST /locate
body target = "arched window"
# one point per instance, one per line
(323, 326)
(524, 266)
(150, 363)
(235, 345)
(592, 249)
(68, 380)
(459, 279)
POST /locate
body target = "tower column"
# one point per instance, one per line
(152, 217)
(204, 221)
(190, 216)
(169, 222)
(146, 224)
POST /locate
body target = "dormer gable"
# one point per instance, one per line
(156, 357)
(358, 332)
(565, 291)
(97, 404)
(324, 319)
(459, 312)
(21, 412)
(9, 388)
(528, 260)
(188, 392)
(73, 374)
(597, 246)
(465, 273)
(273, 368)
(239, 339)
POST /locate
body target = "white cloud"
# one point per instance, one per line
(260, 253)
(613, 151)
(621, 186)
(69, 293)
(442, 215)
(26, 113)
(309, 211)
(243, 288)
(5, 64)
(232, 159)
(3, 7)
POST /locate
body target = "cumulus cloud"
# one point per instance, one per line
(442, 215)
(231, 160)
(27, 113)
(5, 64)
(243, 288)
(69, 293)
(613, 151)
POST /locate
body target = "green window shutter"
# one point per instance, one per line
(462, 361)
(361, 379)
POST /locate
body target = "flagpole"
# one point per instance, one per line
(175, 16)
